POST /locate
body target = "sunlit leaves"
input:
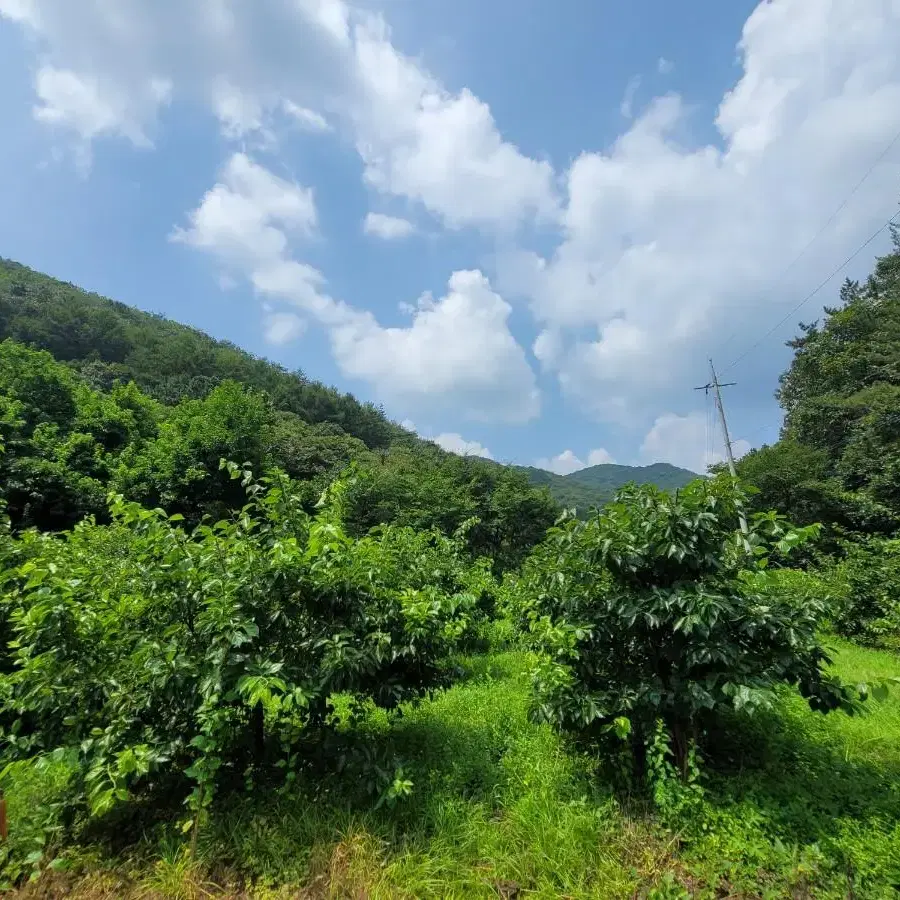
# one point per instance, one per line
(155, 650)
(655, 609)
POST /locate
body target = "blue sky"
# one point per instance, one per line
(570, 205)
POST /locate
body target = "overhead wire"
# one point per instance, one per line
(813, 292)
(827, 223)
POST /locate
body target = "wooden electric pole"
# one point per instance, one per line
(716, 385)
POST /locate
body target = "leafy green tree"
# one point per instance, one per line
(61, 438)
(424, 489)
(179, 469)
(654, 609)
(168, 659)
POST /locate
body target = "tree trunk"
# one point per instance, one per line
(684, 733)
(258, 732)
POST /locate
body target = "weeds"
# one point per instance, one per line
(798, 805)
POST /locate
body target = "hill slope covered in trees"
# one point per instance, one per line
(596, 486)
(98, 396)
(314, 429)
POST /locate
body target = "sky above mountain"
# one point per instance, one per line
(522, 228)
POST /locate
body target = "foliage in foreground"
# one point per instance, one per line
(659, 609)
(794, 805)
(866, 582)
(164, 660)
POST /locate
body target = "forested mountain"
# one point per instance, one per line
(597, 485)
(212, 394)
(97, 396)
(105, 341)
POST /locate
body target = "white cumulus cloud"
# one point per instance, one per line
(246, 216)
(456, 443)
(389, 228)
(457, 351)
(282, 327)
(688, 441)
(670, 246)
(458, 346)
(567, 462)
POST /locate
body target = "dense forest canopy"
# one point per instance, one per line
(838, 459)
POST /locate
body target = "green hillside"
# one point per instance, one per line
(98, 396)
(105, 342)
(597, 485)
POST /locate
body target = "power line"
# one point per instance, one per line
(813, 292)
(828, 222)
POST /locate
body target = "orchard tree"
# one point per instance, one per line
(658, 608)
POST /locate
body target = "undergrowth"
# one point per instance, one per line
(795, 805)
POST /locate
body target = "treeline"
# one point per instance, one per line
(838, 458)
(97, 397)
(106, 341)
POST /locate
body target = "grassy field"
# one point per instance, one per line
(797, 805)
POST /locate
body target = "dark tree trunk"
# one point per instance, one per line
(258, 732)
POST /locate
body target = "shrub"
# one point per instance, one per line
(867, 583)
(176, 660)
(658, 608)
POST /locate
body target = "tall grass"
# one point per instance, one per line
(795, 804)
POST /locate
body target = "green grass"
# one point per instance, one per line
(795, 804)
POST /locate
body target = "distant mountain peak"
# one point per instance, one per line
(597, 485)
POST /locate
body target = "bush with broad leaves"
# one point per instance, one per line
(174, 661)
(658, 608)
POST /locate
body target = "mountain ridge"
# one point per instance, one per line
(597, 485)
(106, 341)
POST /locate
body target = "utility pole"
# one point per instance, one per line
(715, 384)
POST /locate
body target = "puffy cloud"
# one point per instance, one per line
(389, 228)
(457, 347)
(416, 139)
(567, 462)
(245, 216)
(282, 327)
(456, 443)
(599, 457)
(442, 149)
(688, 441)
(240, 113)
(452, 442)
(457, 351)
(665, 66)
(671, 248)
(90, 108)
